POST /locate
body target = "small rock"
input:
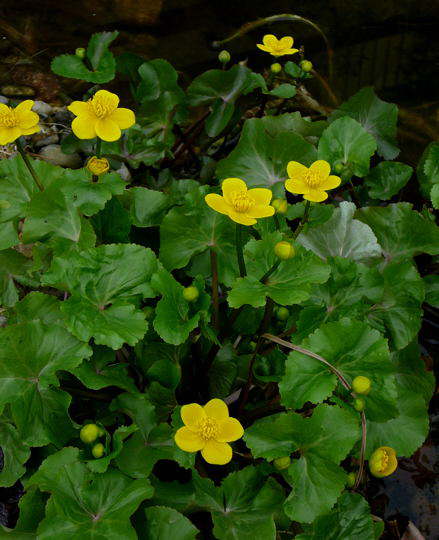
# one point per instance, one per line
(4, 99)
(53, 154)
(124, 172)
(42, 108)
(17, 91)
(46, 141)
(63, 116)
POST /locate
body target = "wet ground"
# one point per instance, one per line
(386, 44)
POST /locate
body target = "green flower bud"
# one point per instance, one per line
(191, 293)
(306, 65)
(338, 167)
(280, 205)
(89, 433)
(361, 385)
(284, 250)
(80, 52)
(98, 450)
(282, 463)
(359, 404)
(351, 479)
(275, 68)
(282, 313)
(224, 57)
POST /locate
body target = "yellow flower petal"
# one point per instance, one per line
(217, 453)
(216, 409)
(79, 107)
(31, 130)
(269, 40)
(83, 127)
(24, 106)
(260, 195)
(321, 168)
(217, 203)
(4, 109)
(124, 118)
(27, 119)
(331, 182)
(286, 42)
(296, 170)
(264, 48)
(110, 100)
(287, 51)
(229, 185)
(192, 414)
(188, 440)
(230, 430)
(260, 211)
(297, 187)
(107, 130)
(242, 219)
(315, 195)
(8, 135)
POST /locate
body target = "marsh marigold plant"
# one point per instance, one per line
(277, 47)
(208, 429)
(100, 117)
(242, 205)
(18, 121)
(312, 182)
(383, 462)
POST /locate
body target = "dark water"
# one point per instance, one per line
(388, 44)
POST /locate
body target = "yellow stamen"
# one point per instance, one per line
(8, 119)
(101, 107)
(242, 202)
(208, 429)
(312, 179)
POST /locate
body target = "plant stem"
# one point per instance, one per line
(362, 450)
(271, 271)
(98, 148)
(276, 222)
(239, 251)
(215, 298)
(29, 166)
(303, 220)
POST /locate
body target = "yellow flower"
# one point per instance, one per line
(17, 122)
(383, 461)
(208, 429)
(277, 47)
(312, 183)
(242, 205)
(100, 117)
(97, 165)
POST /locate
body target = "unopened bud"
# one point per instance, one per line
(306, 65)
(80, 52)
(224, 57)
(191, 293)
(280, 205)
(98, 450)
(89, 433)
(97, 165)
(282, 463)
(361, 385)
(282, 313)
(284, 250)
(276, 68)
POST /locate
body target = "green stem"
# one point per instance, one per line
(271, 271)
(215, 297)
(98, 148)
(276, 222)
(239, 251)
(303, 220)
(29, 166)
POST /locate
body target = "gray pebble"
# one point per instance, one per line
(53, 154)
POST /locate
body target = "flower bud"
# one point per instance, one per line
(282, 463)
(224, 57)
(306, 65)
(275, 68)
(350, 482)
(282, 313)
(80, 52)
(359, 404)
(280, 205)
(284, 250)
(191, 293)
(361, 385)
(98, 450)
(89, 433)
(383, 462)
(97, 165)
(338, 167)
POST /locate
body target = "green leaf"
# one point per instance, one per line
(243, 507)
(151, 443)
(112, 224)
(223, 372)
(377, 117)
(349, 520)
(166, 523)
(37, 305)
(434, 196)
(387, 178)
(342, 236)
(104, 282)
(30, 355)
(264, 149)
(284, 91)
(147, 206)
(289, 284)
(8, 232)
(432, 290)
(100, 59)
(346, 141)
(354, 349)
(410, 233)
(101, 465)
(86, 505)
(13, 267)
(323, 440)
(428, 169)
(15, 455)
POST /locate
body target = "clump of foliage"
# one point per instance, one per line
(250, 291)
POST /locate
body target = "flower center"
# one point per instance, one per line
(312, 179)
(241, 201)
(101, 107)
(384, 461)
(8, 119)
(208, 429)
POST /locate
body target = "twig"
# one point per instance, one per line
(362, 450)
(215, 298)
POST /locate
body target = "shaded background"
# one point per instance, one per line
(388, 44)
